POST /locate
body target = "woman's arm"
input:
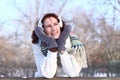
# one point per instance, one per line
(46, 65)
(69, 65)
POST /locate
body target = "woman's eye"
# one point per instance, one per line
(47, 26)
(56, 24)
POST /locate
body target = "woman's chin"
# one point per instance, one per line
(55, 37)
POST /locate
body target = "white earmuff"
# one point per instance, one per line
(40, 24)
(60, 22)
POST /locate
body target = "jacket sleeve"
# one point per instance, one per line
(69, 65)
(46, 65)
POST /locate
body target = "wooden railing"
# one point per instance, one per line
(58, 78)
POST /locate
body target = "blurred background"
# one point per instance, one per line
(96, 23)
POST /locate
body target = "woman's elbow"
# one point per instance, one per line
(49, 76)
(74, 75)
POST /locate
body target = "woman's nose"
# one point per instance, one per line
(53, 27)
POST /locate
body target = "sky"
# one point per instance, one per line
(8, 11)
(7, 15)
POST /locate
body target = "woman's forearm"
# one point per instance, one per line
(46, 65)
(70, 65)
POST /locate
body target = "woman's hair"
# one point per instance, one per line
(49, 15)
(34, 36)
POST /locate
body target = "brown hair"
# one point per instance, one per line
(49, 15)
(34, 37)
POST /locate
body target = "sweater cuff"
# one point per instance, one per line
(52, 53)
(64, 54)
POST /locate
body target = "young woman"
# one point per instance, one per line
(56, 51)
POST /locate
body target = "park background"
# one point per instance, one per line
(96, 23)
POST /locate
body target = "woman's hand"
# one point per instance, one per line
(51, 43)
(62, 39)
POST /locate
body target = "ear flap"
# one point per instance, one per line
(60, 22)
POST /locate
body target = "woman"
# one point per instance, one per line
(56, 52)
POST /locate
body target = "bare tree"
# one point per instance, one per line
(99, 36)
(20, 41)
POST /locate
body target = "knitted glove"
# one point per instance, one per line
(51, 43)
(63, 36)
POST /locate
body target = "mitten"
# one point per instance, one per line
(51, 43)
(63, 36)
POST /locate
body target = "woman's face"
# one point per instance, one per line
(52, 27)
